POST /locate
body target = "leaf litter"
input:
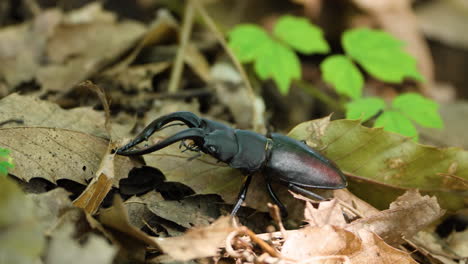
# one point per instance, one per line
(344, 230)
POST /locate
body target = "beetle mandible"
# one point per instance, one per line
(282, 159)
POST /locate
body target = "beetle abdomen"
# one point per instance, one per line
(295, 162)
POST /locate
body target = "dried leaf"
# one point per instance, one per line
(375, 250)
(35, 112)
(64, 249)
(196, 210)
(197, 242)
(327, 241)
(53, 154)
(409, 214)
(116, 218)
(51, 206)
(91, 198)
(39, 52)
(327, 213)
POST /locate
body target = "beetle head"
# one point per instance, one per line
(221, 144)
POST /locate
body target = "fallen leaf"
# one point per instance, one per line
(53, 154)
(196, 210)
(51, 206)
(406, 216)
(91, 198)
(197, 242)
(35, 51)
(435, 17)
(457, 242)
(138, 213)
(327, 213)
(39, 113)
(63, 248)
(232, 93)
(375, 250)
(380, 165)
(116, 218)
(327, 240)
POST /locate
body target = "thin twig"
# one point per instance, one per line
(178, 66)
(220, 37)
(312, 90)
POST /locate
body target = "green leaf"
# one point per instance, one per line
(6, 162)
(394, 121)
(380, 54)
(300, 34)
(4, 152)
(364, 108)
(279, 63)
(247, 41)
(422, 110)
(341, 72)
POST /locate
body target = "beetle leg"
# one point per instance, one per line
(189, 119)
(284, 212)
(242, 194)
(196, 134)
(305, 192)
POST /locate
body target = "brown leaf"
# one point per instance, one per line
(326, 240)
(407, 215)
(327, 213)
(362, 208)
(52, 206)
(197, 242)
(35, 112)
(64, 249)
(196, 210)
(116, 218)
(375, 250)
(91, 198)
(39, 52)
(54, 154)
(311, 131)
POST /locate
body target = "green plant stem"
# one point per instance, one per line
(312, 90)
(178, 65)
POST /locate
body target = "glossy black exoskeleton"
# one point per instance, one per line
(280, 158)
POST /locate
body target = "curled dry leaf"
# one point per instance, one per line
(53, 154)
(406, 216)
(198, 242)
(91, 198)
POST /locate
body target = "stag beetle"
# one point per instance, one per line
(281, 158)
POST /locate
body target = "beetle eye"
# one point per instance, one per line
(212, 149)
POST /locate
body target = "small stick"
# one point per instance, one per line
(178, 65)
